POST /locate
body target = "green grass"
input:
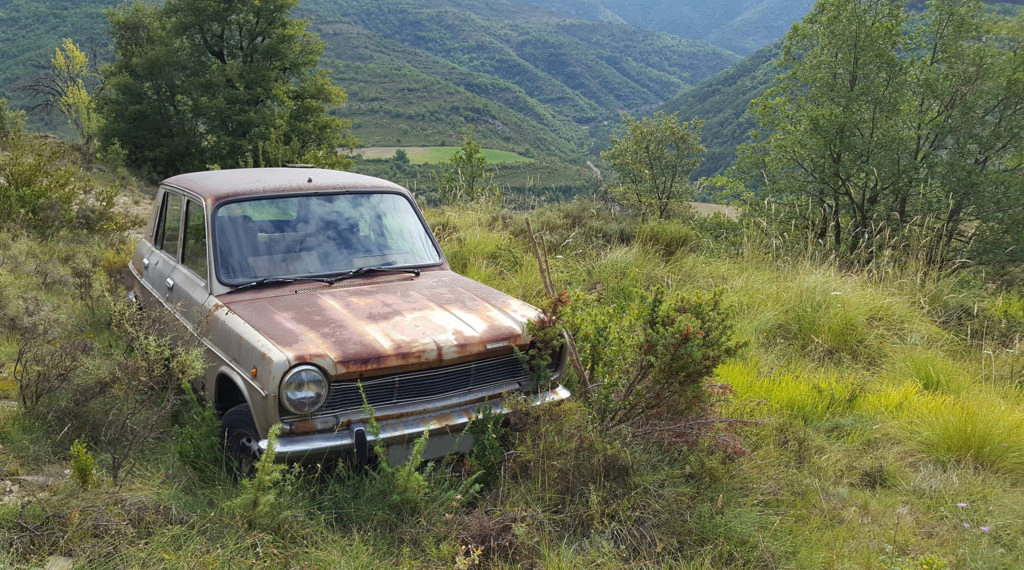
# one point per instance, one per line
(877, 413)
(439, 154)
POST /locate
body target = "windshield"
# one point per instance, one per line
(317, 235)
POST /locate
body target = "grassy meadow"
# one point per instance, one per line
(871, 420)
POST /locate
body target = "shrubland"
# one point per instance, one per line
(745, 401)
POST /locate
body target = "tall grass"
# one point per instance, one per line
(880, 410)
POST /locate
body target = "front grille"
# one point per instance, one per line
(422, 385)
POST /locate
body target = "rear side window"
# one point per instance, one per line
(169, 228)
(194, 253)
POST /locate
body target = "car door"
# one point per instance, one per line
(187, 282)
(159, 261)
(175, 269)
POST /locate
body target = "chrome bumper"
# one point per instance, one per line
(444, 428)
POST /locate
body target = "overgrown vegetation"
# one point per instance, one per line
(744, 397)
(882, 396)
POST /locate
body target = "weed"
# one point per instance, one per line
(259, 501)
(488, 453)
(83, 466)
(197, 434)
(662, 356)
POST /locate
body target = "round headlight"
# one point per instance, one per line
(303, 389)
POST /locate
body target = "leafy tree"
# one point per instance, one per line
(654, 161)
(67, 88)
(213, 82)
(465, 176)
(896, 131)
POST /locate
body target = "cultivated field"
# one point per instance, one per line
(436, 154)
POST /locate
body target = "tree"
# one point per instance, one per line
(67, 88)
(896, 131)
(219, 82)
(465, 177)
(653, 162)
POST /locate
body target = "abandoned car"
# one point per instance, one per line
(323, 299)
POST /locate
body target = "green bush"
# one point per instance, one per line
(655, 354)
(12, 123)
(488, 453)
(260, 501)
(197, 434)
(39, 188)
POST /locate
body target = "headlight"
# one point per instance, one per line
(303, 389)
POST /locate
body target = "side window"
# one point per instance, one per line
(158, 233)
(170, 227)
(194, 253)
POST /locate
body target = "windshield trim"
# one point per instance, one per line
(233, 284)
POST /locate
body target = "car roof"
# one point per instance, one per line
(219, 185)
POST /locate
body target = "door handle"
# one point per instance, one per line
(145, 263)
(169, 282)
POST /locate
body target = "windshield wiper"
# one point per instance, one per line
(264, 281)
(371, 269)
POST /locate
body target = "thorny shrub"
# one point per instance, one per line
(260, 500)
(656, 354)
(546, 342)
(415, 485)
(83, 466)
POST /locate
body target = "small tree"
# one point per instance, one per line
(67, 89)
(654, 161)
(465, 176)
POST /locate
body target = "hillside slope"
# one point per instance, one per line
(508, 68)
(722, 102)
(529, 79)
(741, 26)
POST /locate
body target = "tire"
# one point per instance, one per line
(240, 439)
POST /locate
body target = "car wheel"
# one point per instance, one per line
(240, 438)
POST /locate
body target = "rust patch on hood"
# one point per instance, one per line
(387, 326)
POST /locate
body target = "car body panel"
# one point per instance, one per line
(386, 324)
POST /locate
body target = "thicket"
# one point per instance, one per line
(43, 186)
(85, 361)
(893, 131)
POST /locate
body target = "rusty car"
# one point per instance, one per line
(326, 305)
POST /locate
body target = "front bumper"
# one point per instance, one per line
(444, 428)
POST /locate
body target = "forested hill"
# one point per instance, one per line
(417, 73)
(504, 66)
(741, 26)
(722, 102)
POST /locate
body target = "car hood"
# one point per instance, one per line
(389, 323)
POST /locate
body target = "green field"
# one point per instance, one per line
(437, 154)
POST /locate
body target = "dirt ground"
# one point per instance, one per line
(706, 209)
